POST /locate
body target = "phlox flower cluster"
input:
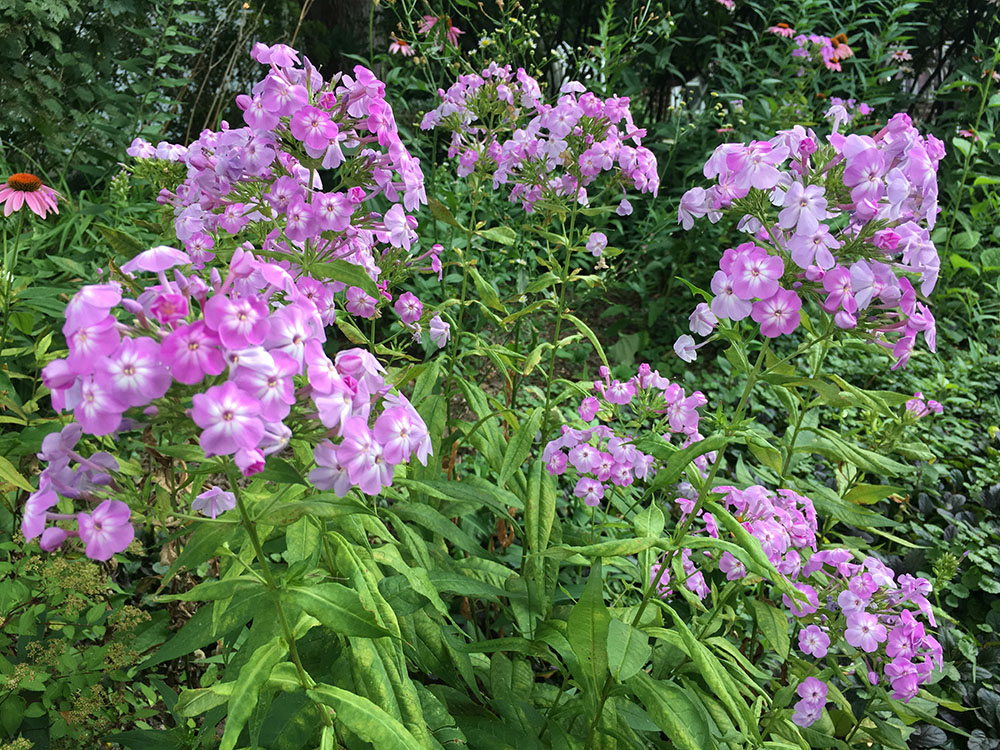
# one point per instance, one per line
(846, 225)
(815, 47)
(854, 609)
(246, 352)
(862, 610)
(501, 126)
(262, 181)
(603, 455)
(784, 523)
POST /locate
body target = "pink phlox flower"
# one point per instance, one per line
(361, 455)
(778, 314)
(440, 331)
(90, 343)
(273, 387)
(408, 307)
(727, 304)
(620, 393)
(814, 248)
(213, 501)
(703, 321)
(98, 411)
(756, 274)
(799, 608)
(135, 373)
(804, 208)
(156, 260)
(756, 165)
(360, 303)
(591, 491)
(596, 243)
(864, 631)
(91, 304)
(240, 323)
(229, 419)
(107, 530)
(394, 431)
(588, 408)
(329, 474)
(837, 283)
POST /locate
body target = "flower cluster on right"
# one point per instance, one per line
(846, 224)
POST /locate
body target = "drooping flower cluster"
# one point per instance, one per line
(783, 522)
(850, 609)
(501, 126)
(815, 47)
(247, 350)
(866, 617)
(261, 182)
(604, 454)
(846, 225)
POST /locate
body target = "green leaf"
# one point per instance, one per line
(348, 273)
(544, 281)
(587, 631)
(284, 514)
(211, 591)
(714, 674)
(246, 690)
(365, 719)
(337, 607)
(520, 446)
(441, 525)
(678, 460)
(501, 235)
(628, 650)
(585, 330)
(11, 475)
(280, 471)
(440, 212)
(121, 243)
(965, 240)
(201, 700)
(774, 625)
(674, 712)
(866, 494)
(487, 293)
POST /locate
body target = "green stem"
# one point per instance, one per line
(681, 530)
(861, 717)
(8, 269)
(304, 679)
(563, 284)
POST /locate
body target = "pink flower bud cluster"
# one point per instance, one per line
(852, 609)
(783, 522)
(605, 454)
(845, 225)
(262, 180)
(247, 350)
(501, 125)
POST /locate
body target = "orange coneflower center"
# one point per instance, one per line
(839, 39)
(782, 25)
(25, 182)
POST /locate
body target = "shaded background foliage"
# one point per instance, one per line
(81, 79)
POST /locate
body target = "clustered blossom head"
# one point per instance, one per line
(603, 454)
(501, 126)
(235, 347)
(243, 342)
(261, 181)
(247, 350)
(784, 522)
(851, 232)
(849, 609)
